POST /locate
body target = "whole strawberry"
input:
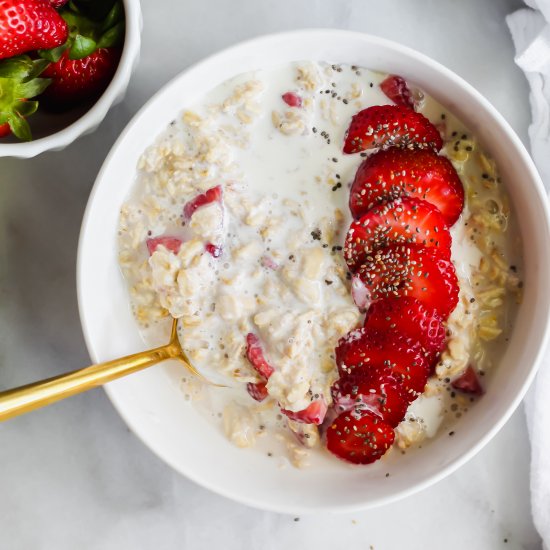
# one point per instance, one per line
(78, 80)
(19, 83)
(27, 25)
(82, 68)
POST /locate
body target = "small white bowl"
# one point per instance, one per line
(54, 131)
(151, 402)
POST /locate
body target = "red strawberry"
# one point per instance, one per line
(213, 249)
(468, 382)
(5, 129)
(378, 391)
(292, 99)
(396, 88)
(412, 270)
(359, 440)
(407, 220)
(214, 194)
(390, 125)
(257, 390)
(58, 3)
(360, 351)
(395, 172)
(171, 243)
(314, 413)
(78, 80)
(255, 354)
(27, 25)
(409, 317)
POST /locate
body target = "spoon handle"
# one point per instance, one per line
(39, 394)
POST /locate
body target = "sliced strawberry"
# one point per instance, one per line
(213, 194)
(468, 382)
(257, 390)
(409, 317)
(396, 88)
(359, 440)
(314, 413)
(363, 350)
(171, 243)
(255, 354)
(378, 391)
(390, 125)
(292, 99)
(395, 172)
(407, 220)
(412, 270)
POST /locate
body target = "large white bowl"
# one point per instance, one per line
(55, 131)
(151, 401)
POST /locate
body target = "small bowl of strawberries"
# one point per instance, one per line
(63, 64)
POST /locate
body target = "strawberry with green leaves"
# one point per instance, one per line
(19, 84)
(82, 68)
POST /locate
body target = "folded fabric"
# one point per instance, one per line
(530, 30)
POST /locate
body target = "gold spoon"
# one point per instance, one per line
(39, 394)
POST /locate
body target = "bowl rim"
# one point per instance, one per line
(97, 112)
(537, 188)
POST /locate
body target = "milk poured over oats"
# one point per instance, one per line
(267, 258)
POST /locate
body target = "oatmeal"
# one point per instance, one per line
(236, 227)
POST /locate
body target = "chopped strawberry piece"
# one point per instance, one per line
(407, 220)
(213, 194)
(257, 390)
(359, 440)
(292, 99)
(390, 125)
(409, 317)
(468, 382)
(412, 270)
(314, 413)
(255, 354)
(377, 390)
(363, 350)
(213, 249)
(396, 88)
(393, 173)
(171, 243)
(269, 262)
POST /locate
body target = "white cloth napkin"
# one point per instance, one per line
(530, 30)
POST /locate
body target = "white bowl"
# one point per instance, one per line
(152, 403)
(54, 131)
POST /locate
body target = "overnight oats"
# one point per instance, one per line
(340, 254)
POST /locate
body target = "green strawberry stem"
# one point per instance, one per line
(19, 82)
(87, 32)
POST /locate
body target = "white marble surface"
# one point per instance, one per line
(73, 476)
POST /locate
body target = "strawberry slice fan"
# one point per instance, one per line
(404, 198)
